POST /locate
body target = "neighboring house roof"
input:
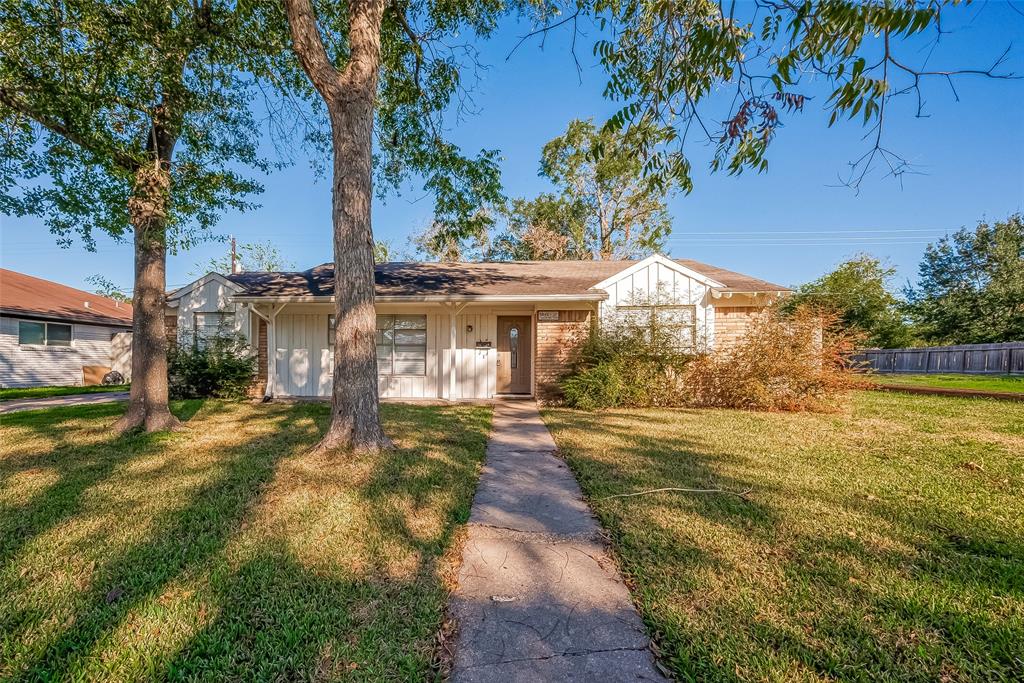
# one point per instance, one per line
(500, 278)
(32, 297)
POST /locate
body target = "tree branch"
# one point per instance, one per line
(123, 159)
(417, 49)
(308, 45)
(739, 494)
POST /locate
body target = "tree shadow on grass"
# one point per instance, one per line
(268, 602)
(77, 466)
(896, 591)
(179, 541)
(285, 614)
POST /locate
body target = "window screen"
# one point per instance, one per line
(402, 344)
(58, 335)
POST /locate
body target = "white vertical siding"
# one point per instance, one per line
(210, 297)
(305, 360)
(36, 366)
(476, 369)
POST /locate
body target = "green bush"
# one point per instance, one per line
(596, 387)
(629, 365)
(222, 366)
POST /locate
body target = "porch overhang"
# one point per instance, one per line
(431, 298)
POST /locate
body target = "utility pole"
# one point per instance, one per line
(234, 257)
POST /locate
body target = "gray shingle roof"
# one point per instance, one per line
(507, 278)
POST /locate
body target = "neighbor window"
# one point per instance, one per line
(669, 324)
(208, 325)
(43, 334)
(402, 344)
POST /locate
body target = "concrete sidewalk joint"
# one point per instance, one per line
(539, 597)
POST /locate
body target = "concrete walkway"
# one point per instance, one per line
(18, 405)
(539, 599)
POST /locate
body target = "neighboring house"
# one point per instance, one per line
(54, 335)
(462, 330)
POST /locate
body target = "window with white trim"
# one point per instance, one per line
(209, 325)
(402, 344)
(672, 324)
(31, 333)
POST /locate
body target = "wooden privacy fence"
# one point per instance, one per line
(982, 359)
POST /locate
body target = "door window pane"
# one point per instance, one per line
(513, 343)
(31, 333)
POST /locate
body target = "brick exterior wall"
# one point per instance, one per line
(557, 342)
(171, 328)
(259, 387)
(731, 323)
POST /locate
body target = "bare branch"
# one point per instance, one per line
(414, 39)
(743, 495)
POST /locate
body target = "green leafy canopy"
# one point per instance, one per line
(84, 84)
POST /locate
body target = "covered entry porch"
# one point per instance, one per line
(441, 349)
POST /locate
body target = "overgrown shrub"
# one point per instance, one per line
(797, 361)
(631, 362)
(220, 366)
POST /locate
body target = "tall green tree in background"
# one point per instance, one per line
(133, 119)
(547, 228)
(859, 291)
(970, 287)
(605, 208)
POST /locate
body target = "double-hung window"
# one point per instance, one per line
(209, 325)
(670, 324)
(401, 344)
(31, 333)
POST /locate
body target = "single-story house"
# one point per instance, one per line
(462, 330)
(55, 335)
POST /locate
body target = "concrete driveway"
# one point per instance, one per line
(19, 405)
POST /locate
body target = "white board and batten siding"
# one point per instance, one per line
(656, 276)
(304, 359)
(38, 366)
(210, 295)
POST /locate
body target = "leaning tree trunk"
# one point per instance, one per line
(147, 406)
(350, 98)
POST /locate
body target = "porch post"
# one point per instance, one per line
(454, 352)
(272, 351)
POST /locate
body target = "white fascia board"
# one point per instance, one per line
(663, 260)
(211, 276)
(431, 298)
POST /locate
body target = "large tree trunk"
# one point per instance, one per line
(147, 406)
(350, 97)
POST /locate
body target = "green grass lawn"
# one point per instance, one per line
(47, 392)
(882, 543)
(225, 551)
(1013, 383)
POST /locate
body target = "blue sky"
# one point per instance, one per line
(788, 225)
